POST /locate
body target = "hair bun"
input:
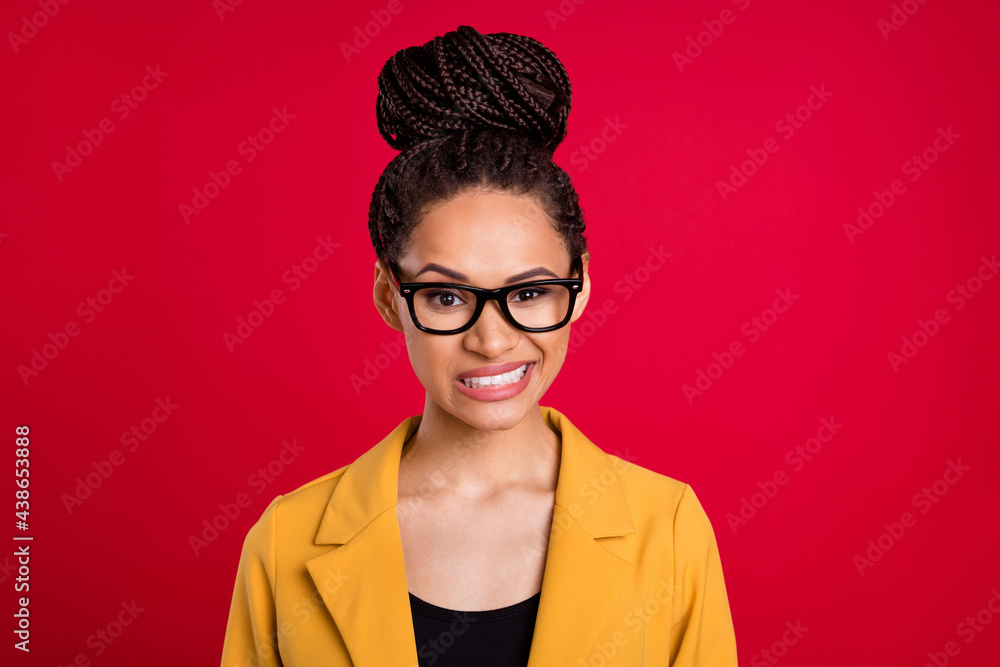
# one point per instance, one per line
(464, 80)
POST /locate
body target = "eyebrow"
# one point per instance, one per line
(461, 277)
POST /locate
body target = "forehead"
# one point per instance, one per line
(486, 233)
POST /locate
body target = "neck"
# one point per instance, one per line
(448, 456)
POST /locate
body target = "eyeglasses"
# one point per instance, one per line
(451, 308)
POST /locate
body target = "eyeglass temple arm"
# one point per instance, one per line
(392, 272)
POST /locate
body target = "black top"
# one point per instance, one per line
(491, 638)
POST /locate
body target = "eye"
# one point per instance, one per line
(444, 298)
(528, 294)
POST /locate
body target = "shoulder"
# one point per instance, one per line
(646, 489)
(312, 493)
(340, 502)
(297, 511)
(657, 499)
(645, 480)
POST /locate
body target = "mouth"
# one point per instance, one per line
(511, 377)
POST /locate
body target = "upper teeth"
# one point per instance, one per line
(494, 380)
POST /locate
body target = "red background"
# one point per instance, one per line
(653, 183)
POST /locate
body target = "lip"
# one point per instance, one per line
(502, 392)
(495, 369)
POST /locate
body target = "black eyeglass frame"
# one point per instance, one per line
(408, 290)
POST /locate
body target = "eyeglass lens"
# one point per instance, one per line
(446, 308)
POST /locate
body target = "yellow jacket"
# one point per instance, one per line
(632, 573)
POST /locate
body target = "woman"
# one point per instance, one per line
(488, 530)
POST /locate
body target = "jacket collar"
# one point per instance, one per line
(370, 601)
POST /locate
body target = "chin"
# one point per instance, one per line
(491, 416)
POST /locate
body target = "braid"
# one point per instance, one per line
(386, 205)
(471, 110)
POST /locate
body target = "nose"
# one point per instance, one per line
(492, 334)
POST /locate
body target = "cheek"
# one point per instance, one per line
(554, 349)
(430, 358)
(559, 344)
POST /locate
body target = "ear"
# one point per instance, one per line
(584, 295)
(386, 297)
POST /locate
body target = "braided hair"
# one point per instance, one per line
(468, 110)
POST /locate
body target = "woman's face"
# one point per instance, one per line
(485, 237)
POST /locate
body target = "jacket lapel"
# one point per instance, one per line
(370, 603)
(583, 578)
